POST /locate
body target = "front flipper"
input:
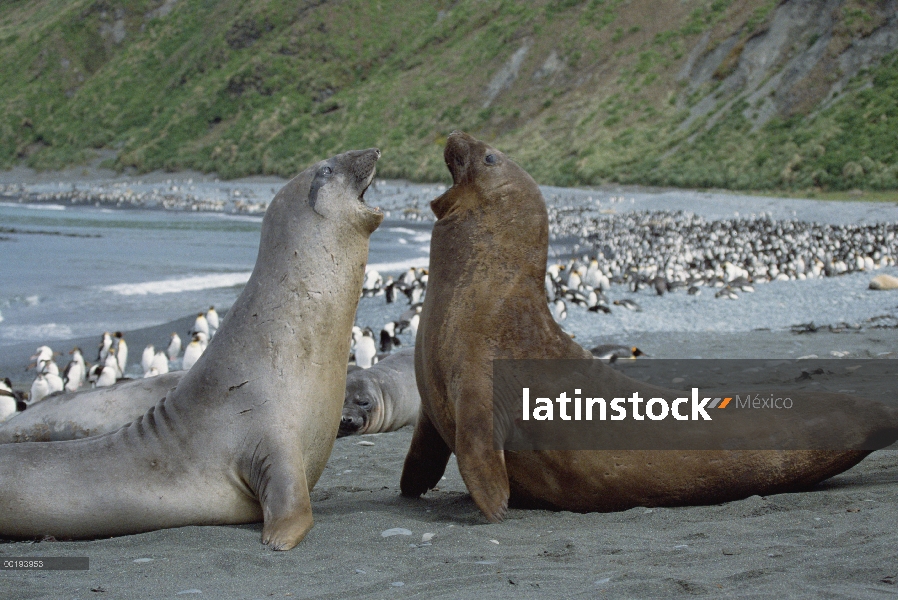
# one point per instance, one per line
(278, 478)
(426, 460)
(481, 465)
(483, 470)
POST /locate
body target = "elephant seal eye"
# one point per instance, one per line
(326, 171)
(490, 159)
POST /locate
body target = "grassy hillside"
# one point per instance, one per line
(699, 93)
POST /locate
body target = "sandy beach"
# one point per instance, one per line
(835, 541)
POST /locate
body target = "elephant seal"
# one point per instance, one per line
(382, 398)
(246, 433)
(88, 413)
(486, 300)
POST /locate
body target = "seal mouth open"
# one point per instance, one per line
(365, 170)
(458, 148)
(368, 183)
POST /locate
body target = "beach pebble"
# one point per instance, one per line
(143, 560)
(395, 531)
(360, 572)
(192, 591)
(884, 282)
(397, 584)
(364, 443)
(495, 541)
(427, 537)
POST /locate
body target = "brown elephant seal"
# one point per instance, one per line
(382, 398)
(87, 413)
(246, 433)
(485, 301)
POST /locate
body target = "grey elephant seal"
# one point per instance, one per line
(382, 398)
(246, 433)
(87, 413)
(486, 300)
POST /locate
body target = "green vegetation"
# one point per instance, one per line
(269, 86)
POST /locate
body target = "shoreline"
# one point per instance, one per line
(18, 179)
(836, 539)
(89, 172)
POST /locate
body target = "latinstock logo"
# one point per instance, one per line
(657, 404)
(656, 409)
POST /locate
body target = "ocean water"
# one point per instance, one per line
(73, 271)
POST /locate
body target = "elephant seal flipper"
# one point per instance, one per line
(247, 431)
(278, 479)
(426, 460)
(481, 466)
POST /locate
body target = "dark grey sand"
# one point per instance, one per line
(838, 540)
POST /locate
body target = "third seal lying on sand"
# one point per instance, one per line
(382, 398)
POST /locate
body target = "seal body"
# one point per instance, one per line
(486, 300)
(88, 413)
(382, 398)
(247, 431)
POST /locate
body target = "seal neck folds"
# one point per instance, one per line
(322, 208)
